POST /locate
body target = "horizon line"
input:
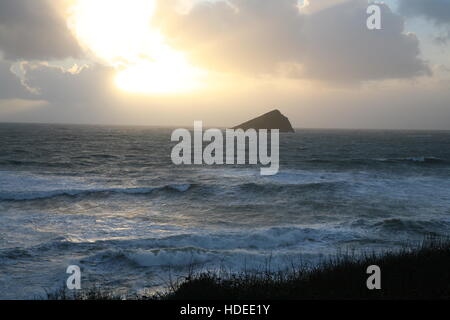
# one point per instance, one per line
(206, 127)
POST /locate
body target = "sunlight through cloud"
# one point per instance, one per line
(119, 33)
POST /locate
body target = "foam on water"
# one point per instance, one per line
(110, 200)
(19, 186)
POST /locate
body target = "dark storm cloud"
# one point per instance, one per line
(34, 30)
(266, 36)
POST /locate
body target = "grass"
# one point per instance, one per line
(89, 294)
(422, 272)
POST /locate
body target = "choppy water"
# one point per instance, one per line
(109, 200)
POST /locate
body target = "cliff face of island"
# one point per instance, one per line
(270, 121)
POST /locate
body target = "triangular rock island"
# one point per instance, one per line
(271, 120)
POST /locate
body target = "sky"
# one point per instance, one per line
(172, 62)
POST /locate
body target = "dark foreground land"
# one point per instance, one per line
(419, 273)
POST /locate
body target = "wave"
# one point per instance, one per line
(203, 189)
(233, 248)
(255, 240)
(279, 246)
(420, 227)
(188, 257)
(173, 257)
(299, 186)
(30, 187)
(42, 195)
(418, 159)
(37, 164)
(15, 254)
(429, 160)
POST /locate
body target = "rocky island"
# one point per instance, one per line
(270, 121)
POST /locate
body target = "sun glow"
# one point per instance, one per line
(119, 33)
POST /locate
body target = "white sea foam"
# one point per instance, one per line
(19, 186)
(116, 206)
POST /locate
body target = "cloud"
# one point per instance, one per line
(311, 6)
(325, 40)
(55, 84)
(236, 35)
(86, 95)
(341, 48)
(436, 10)
(34, 30)
(11, 87)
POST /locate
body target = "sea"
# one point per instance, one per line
(109, 200)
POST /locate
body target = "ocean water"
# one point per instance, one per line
(109, 200)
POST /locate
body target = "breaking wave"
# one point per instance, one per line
(41, 195)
